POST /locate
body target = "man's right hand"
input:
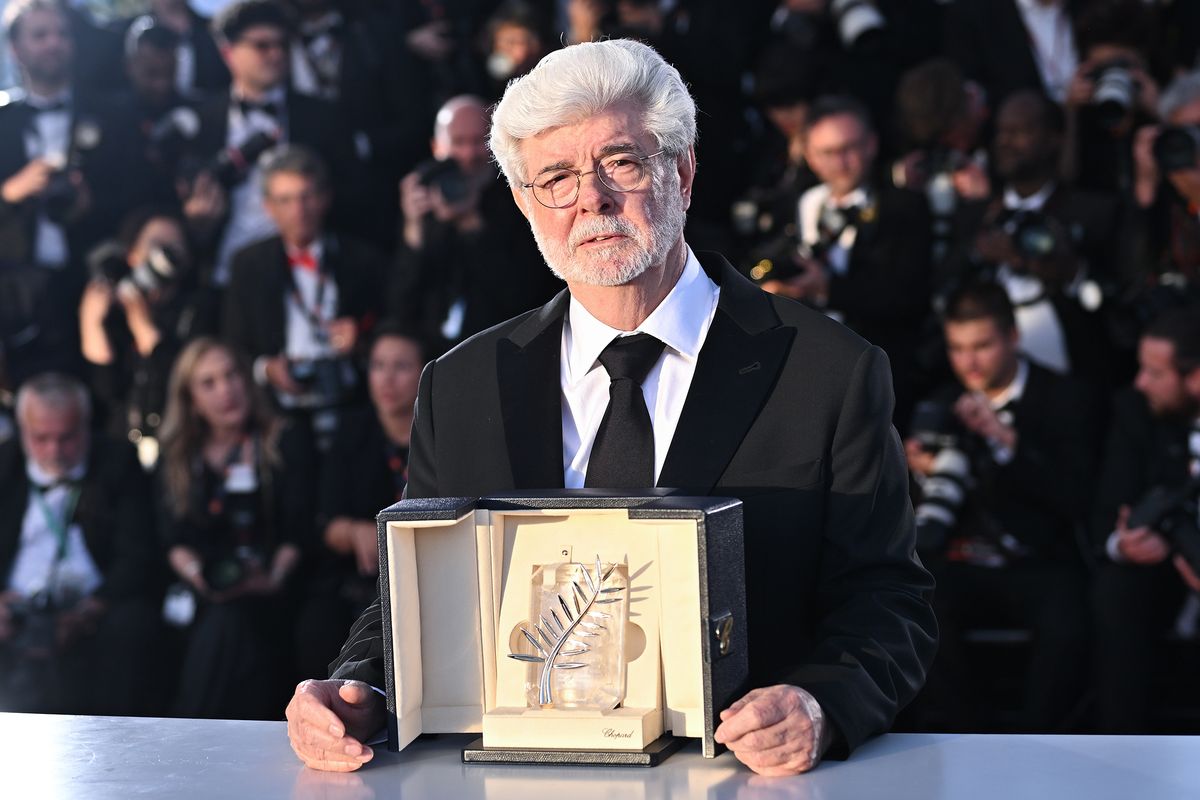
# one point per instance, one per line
(328, 721)
(30, 181)
(6, 621)
(1139, 545)
(279, 376)
(920, 460)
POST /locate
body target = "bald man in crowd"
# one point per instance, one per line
(466, 259)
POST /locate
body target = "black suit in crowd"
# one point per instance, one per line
(362, 473)
(1134, 605)
(1099, 230)
(495, 273)
(787, 411)
(103, 147)
(1037, 499)
(316, 124)
(105, 673)
(884, 295)
(255, 305)
(383, 98)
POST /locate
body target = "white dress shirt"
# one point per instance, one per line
(1053, 44)
(49, 138)
(1042, 336)
(248, 220)
(681, 322)
(812, 202)
(37, 568)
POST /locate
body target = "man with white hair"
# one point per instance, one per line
(660, 368)
(77, 560)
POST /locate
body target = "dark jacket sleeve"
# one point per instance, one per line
(361, 657)
(116, 523)
(876, 632)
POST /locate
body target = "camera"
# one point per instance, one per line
(446, 176)
(60, 197)
(231, 166)
(1172, 512)
(944, 490)
(1177, 147)
(161, 268)
(859, 23)
(1115, 91)
(327, 381)
(1035, 235)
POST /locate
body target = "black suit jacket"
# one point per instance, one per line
(255, 313)
(118, 531)
(1141, 451)
(112, 164)
(1042, 496)
(787, 411)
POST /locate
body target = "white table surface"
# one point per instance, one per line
(92, 758)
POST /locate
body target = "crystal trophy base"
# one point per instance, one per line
(651, 755)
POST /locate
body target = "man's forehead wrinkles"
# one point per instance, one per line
(624, 145)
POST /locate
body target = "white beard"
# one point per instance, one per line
(625, 259)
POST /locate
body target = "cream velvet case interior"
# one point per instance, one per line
(455, 578)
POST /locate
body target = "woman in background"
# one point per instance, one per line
(236, 511)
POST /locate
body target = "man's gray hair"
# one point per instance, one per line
(293, 159)
(1181, 92)
(56, 391)
(583, 80)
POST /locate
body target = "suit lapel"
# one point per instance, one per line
(527, 373)
(741, 358)
(278, 283)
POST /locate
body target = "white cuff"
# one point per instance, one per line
(1113, 549)
(260, 370)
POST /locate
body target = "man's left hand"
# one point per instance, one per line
(775, 731)
(343, 334)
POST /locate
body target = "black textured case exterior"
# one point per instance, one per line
(719, 545)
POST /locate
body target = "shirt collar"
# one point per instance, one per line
(316, 249)
(37, 101)
(40, 477)
(1033, 7)
(278, 96)
(1035, 201)
(1015, 390)
(857, 197)
(680, 322)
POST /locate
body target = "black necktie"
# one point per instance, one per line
(623, 454)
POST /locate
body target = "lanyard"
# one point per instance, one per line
(58, 526)
(314, 314)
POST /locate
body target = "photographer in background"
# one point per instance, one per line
(299, 303)
(68, 173)
(1153, 444)
(78, 609)
(864, 247)
(942, 116)
(466, 260)
(1167, 191)
(136, 313)
(1003, 459)
(1052, 247)
(1110, 95)
(235, 506)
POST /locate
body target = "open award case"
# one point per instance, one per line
(456, 579)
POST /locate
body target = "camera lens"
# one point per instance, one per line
(1176, 147)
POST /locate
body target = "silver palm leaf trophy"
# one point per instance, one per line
(577, 634)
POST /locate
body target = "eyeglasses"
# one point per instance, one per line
(265, 45)
(620, 172)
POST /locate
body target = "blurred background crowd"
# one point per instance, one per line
(231, 234)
